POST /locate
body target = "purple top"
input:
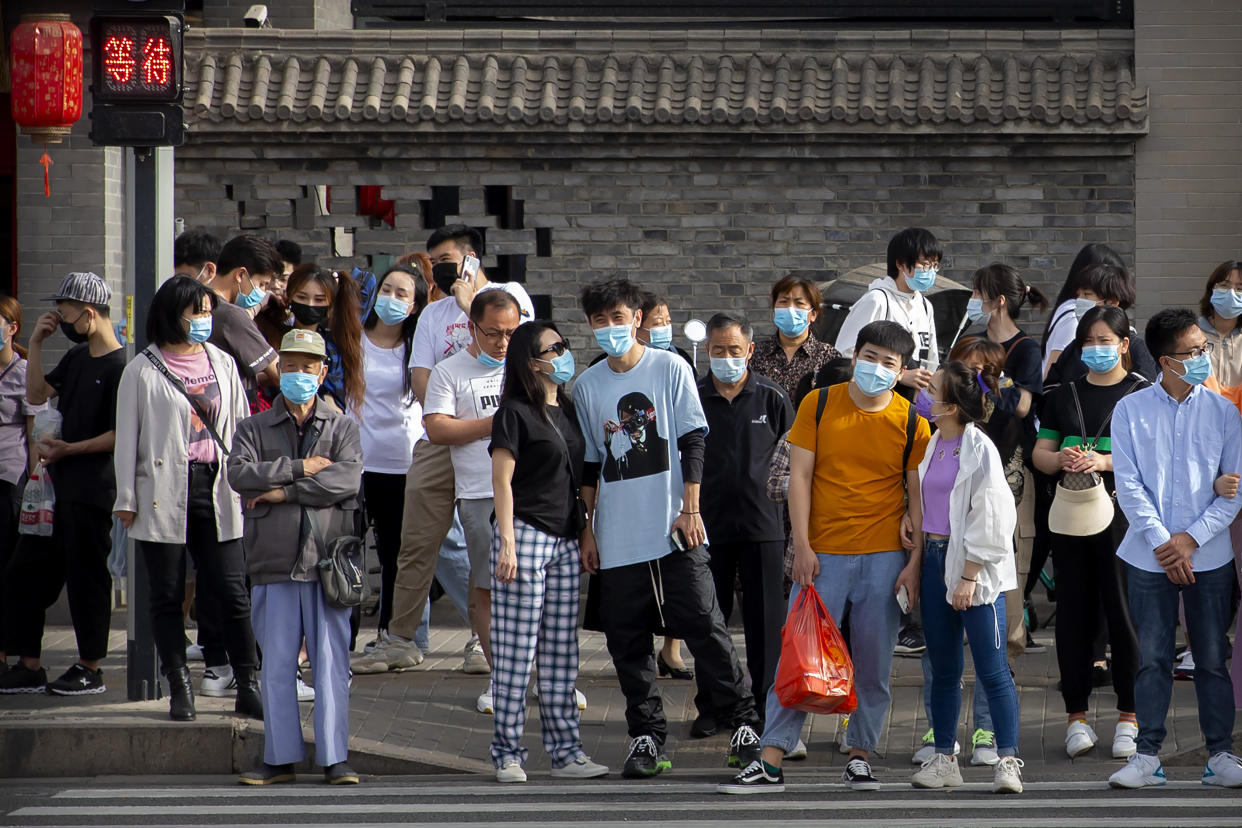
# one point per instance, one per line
(938, 483)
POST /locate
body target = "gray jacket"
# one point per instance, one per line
(266, 456)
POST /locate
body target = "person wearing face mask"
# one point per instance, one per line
(853, 477)
(1062, 326)
(298, 469)
(1074, 438)
(998, 296)
(244, 268)
(1170, 442)
(747, 415)
(1219, 313)
(793, 352)
(656, 331)
(79, 464)
(537, 454)
(328, 303)
(1102, 285)
(914, 257)
(194, 254)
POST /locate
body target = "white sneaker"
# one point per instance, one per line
(1223, 769)
(306, 693)
(580, 768)
(1124, 740)
(939, 771)
(580, 699)
(193, 652)
(928, 750)
(798, 753)
(1079, 738)
(1008, 775)
(511, 772)
(484, 705)
(1142, 771)
(473, 661)
(218, 681)
(381, 639)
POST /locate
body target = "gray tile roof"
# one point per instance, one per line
(1028, 83)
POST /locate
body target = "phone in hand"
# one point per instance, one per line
(677, 539)
(470, 267)
(903, 599)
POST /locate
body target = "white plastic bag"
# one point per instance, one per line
(38, 504)
(47, 425)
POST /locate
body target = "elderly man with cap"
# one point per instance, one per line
(298, 468)
(79, 462)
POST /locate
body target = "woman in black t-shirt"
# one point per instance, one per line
(537, 455)
(1089, 576)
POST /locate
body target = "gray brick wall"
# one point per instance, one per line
(1188, 169)
(288, 14)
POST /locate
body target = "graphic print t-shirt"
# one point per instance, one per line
(200, 381)
(442, 327)
(465, 388)
(631, 423)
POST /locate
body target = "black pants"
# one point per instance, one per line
(9, 506)
(630, 612)
(221, 567)
(1041, 543)
(74, 557)
(385, 501)
(210, 625)
(1091, 577)
(760, 567)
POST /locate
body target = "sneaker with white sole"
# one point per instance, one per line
(78, 680)
(395, 656)
(1141, 771)
(743, 747)
(798, 753)
(1079, 738)
(218, 682)
(857, 776)
(473, 660)
(306, 693)
(1008, 775)
(511, 771)
(940, 771)
(484, 703)
(580, 699)
(1125, 740)
(1223, 769)
(928, 750)
(21, 679)
(754, 779)
(580, 768)
(983, 748)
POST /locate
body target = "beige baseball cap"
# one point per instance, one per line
(303, 342)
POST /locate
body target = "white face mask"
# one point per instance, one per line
(1081, 306)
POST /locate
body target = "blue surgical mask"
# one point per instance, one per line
(1081, 306)
(1228, 303)
(975, 311)
(1198, 369)
(253, 298)
(661, 337)
(563, 367)
(872, 378)
(1100, 358)
(729, 369)
(791, 321)
(921, 279)
(489, 360)
(298, 388)
(200, 329)
(391, 311)
(615, 340)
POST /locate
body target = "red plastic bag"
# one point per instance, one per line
(816, 674)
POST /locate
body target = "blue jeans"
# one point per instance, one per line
(453, 573)
(1153, 606)
(864, 584)
(985, 630)
(981, 716)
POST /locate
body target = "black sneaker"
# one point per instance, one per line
(754, 779)
(1033, 646)
(703, 726)
(857, 776)
(21, 679)
(645, 759)
(744, 747)
(910, 641)
(78, 681)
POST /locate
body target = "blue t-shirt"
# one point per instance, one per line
(631, 422)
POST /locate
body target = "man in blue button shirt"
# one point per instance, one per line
(1170, 443)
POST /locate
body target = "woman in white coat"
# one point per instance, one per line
(968, 564)
(178, 405)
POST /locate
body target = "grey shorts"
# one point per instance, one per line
(476, 521)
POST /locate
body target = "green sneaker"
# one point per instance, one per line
(984, 744)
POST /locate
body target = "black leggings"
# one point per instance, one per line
(385, 501)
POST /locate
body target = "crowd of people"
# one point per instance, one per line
(279, 409)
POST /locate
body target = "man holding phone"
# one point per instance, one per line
(645, 431)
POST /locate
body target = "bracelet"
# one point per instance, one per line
(688, 513)
(971, 580)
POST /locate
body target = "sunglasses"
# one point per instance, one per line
(558, 348)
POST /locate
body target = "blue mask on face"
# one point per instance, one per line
(253, 298)
(391, 311)
(1228, 303)
(298, 388)
(1198, 369)
(563, 368)
(615, 340)
(921, 279)
(975, 311)
(791, 321)
(729, 369)
(872, 378)
(1100, 358)
(661, 337)
(489, 360)
(200, 329)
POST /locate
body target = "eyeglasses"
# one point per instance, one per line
(1207, 348)
(558, 348)
(496, 335)
(928, 266)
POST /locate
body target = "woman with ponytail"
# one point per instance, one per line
(999, 294)
(329, 304)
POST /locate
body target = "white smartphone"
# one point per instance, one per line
(470, 267)
(903, 599)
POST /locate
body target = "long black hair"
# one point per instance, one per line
(1088, 257)
(521, 382)
(173, 297)
(408, 326)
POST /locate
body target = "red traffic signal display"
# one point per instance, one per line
(137, 59)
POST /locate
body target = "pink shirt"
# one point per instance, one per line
(195, 371)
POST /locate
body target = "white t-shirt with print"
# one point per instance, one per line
(465, 388)
(442, 330)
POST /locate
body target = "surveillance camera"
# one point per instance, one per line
(256, 16)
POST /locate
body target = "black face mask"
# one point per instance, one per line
(71, 333)
(444, 275)
(308, 314)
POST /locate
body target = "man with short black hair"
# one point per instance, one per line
(194, 254)
(290, 257)
(244, 269)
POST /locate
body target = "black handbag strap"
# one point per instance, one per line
(195, 404)
(1082, 425)
(911, 426)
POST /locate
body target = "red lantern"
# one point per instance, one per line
(46, 68)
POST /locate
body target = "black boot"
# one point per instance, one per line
(249, 703)
(181, 696)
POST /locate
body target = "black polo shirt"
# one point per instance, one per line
(741, 437)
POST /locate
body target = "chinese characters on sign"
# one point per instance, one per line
(139, 59)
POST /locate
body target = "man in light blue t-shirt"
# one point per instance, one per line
(644, 426)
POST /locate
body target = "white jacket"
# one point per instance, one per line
(152, 454)
(910, 310)
(982, 517)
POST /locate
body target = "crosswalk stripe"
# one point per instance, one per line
(1229, 821)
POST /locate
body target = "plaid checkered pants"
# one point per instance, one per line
(535, 618)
